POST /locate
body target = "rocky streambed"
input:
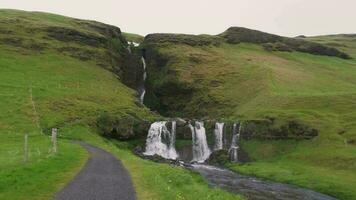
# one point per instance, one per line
(253, 188)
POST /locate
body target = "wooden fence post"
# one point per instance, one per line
(25, 159)
(54, 139)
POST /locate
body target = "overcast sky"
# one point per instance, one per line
(284, 17)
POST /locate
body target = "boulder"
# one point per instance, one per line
(219, 158)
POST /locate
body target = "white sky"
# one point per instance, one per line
(284, 17)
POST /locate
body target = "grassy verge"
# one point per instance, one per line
(44, 174)
(324, 168)
(152, 180)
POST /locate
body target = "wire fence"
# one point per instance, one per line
(17, 149)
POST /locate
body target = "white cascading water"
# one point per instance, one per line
(160, 141)
(201, 151)
(142, 89)
(218, 132)
(233, 151)
(172, 140)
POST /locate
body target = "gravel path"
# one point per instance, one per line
(102, 178)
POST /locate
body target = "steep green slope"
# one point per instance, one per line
(234, 77)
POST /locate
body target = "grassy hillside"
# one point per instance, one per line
(54, 71)
(219, 77)
(68, 73)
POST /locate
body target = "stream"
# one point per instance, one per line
(253, 188)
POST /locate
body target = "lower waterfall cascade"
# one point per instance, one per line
(201, 150)
(161, 141)
(234, 148)
(218, 132)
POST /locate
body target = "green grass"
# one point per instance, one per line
(326, 168)
(152, 180)
(44, 174)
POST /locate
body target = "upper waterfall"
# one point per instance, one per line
(233, 151)
(142, 89)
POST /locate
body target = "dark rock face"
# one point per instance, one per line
(192, 40)
(184, 132)
(132, 72)
(81, 54)
(269, 129)
(31, 45)
(71, 35)
(222, 157)
(235, 35)
(125, 128)
(104, 29)
(138, 151)
(163, 86)
(16, 42)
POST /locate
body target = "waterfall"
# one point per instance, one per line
(233, 151)
(218, 132)
(201, 151)
(172, 141)
(142, 89)
(160, 141)
(129, 47)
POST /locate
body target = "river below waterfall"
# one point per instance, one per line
(253, 188)
(161, 141)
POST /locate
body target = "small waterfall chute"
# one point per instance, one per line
(160, 141)
(172, 140)
(201, 151)
(234, 148)
(218, 133)
(142, 89)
